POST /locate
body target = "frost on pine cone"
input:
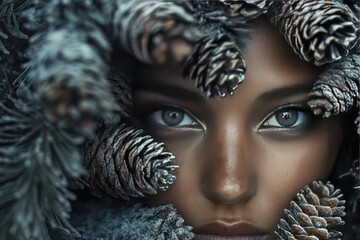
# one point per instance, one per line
(124, 162)
(318, 31)
(317, 208)
(217, 66)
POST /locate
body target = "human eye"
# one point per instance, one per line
(172, 117)
(287, 118)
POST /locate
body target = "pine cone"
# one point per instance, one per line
(229, 16)
(316, 209)
(337, 87)
(124, 162)
(68, 68)
(242, 9)
(154, 31)
(318, 31)
(217, 66)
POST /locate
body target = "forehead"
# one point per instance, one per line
(271, 63)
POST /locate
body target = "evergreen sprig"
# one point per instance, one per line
(10, 15)
(35, 160)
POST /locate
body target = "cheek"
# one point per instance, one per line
(288, 166)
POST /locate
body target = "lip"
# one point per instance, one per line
(220, 230)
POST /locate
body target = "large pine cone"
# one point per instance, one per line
(125, 162)
(317, 208)
(318, 31)
(154, 31)
(217, 66)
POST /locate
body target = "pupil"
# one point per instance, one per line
(287, 118)
(172, 117)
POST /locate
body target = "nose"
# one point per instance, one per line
(229, 175)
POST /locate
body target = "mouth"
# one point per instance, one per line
(220, 230)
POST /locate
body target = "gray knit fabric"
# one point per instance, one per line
(100, 221)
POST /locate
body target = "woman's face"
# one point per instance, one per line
(244, 157)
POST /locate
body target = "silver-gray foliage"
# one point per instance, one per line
(131, 223)
(35, 159)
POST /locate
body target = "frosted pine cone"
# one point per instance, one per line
(337, 88)
(318, 31)
(125, 162)
(217, 66)
(154, 31)
(317, 208)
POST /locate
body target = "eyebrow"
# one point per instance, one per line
(180, 93)
(172, 91)
(283, 92)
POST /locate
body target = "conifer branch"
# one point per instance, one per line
(10, 16)
(35, 159)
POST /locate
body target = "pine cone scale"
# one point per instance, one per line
(319, 233)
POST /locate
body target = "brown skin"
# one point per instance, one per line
(235, 164)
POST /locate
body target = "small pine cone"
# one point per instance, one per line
(316, 209)
(217, 66)
(337, 88)
(124, 162)
(155, 32)
(318, 31)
